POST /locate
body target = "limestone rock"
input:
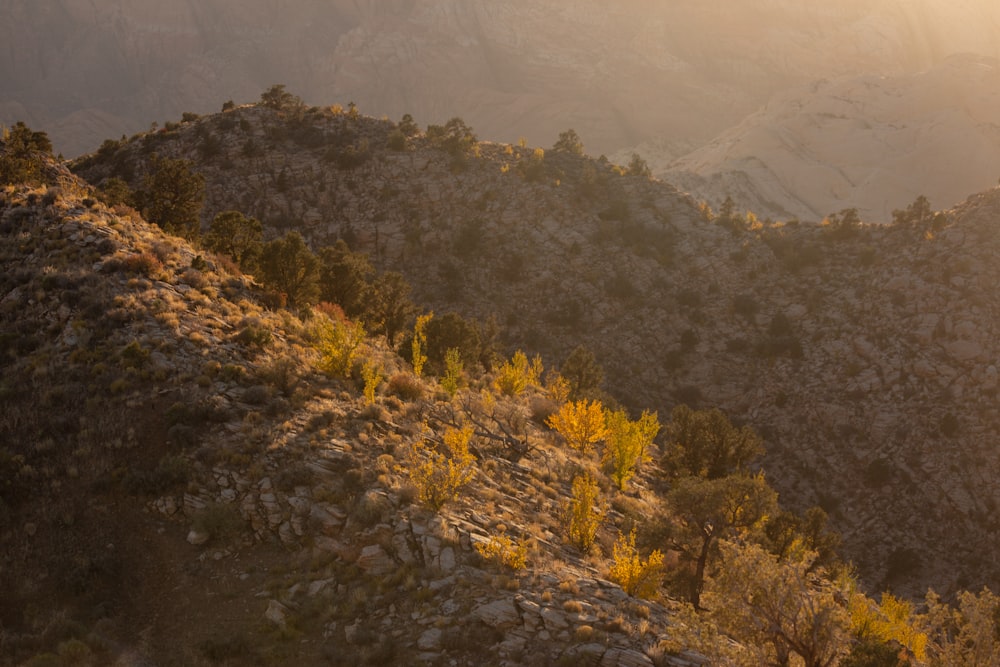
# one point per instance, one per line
(276, 613)
(498, 614)
(375, 561)
(620, 657)
(198, 537)
(430, 640)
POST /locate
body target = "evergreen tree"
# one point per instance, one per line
(241, 238)
(277, 98)
(172, 197)
(20, 151)
(583, 373)
(711, 509)
(389, 308)
(288, 266)
(569, 142)
(345, 278)
(704, 443)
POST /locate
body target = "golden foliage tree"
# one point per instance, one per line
(337, 341)
(372, 375)
(419, 344)
(891, 621)
(626, 443)
(440, 475)
(582, 513)
(518, 374)
(453, 369)
(581, 423)
(637, 577)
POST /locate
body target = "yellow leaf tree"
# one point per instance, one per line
(582, 517)
(626, 443)
(439, 476)
(337, 341)
(581, 423)
(637, 577)
(518, 374)
(419, 344)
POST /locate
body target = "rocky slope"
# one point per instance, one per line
(871, 143)
(620, 74)
(182, 487)
(864, 354)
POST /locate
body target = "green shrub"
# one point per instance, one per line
(254, 335)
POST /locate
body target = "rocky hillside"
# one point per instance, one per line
(864, 354)
(873, 143)
(620, 74)
(182, 486)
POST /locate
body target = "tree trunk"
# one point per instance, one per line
(699, 573)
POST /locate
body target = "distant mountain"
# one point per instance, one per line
(620, 74)
(873, 143)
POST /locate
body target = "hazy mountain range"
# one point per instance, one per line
(631, 74)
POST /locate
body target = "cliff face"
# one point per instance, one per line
(619, 74)
(871, 143)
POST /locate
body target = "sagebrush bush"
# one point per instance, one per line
(405, 386)
(219, 521)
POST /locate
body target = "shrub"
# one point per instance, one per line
(396, 141)
(503, 551)
(518, 374)
(143, 264)
(134, 355)
(949, 425)
(637, 577)
(745, 305)
(171, 472)
(282, 374)
(219, 521)
(405, 386)
(254, 335)
(582, 519)
(338, 341)
(438, 476)
(581, 423)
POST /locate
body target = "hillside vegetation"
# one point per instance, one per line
(863, 354)
(201, 466)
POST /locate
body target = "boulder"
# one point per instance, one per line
(498, 614)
